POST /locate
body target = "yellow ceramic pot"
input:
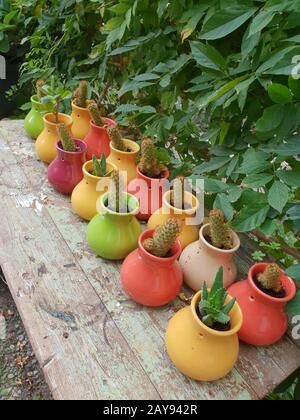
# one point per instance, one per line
(85, 195)
(190, 232)
(45, 145)
(81, 121)
(199, 352)
(125, 161)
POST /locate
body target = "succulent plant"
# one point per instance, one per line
(164, 238)
(220, 233)
(116, 139)
(66, 139)
(177, 194)
(95, 115)
(80, 94)
(99, 167)
(212, 306)
(149, 163)
(270, 278)
(117, 200)
(39, 89)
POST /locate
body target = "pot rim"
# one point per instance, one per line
(79, 143)
(287, 282)
(176, 249)
(232, 331)
(96, 178)
(132, 144)
(165, 173)
(188, 212)
(34, 100)
(223, 251)
(68, 117)
(88, 101)
(110, 122)
(130, 197)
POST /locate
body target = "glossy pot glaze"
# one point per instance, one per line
(97, 139)
(265, 320)
(150, 280)
(81, 121)
(65, 172)
(33, 122)
(125, 161)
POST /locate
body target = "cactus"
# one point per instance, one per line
(178, 192)
(66, 140)
(270, 278)
(95, 115)
(164, 238)
(149, 164)
(116, 139)
(99, 167)
(220, 233)
(39, 91)
(80, 94)
(117, 200)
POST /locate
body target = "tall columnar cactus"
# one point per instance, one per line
(39, 85)
(66, 139)
(80, 94)
(270, 278)
(177, 195)
(117, 200)
(95, 115)
(149, 164)
(116, 139)
(164, 238)
(220, 233)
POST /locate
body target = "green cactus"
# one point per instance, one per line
(270, 278)
(95, 115)
(39, 91)
(117, 200)
(220, 233)
(80, 94)
(178, 192)
(66, 140)
(99, 167)
(212, 307)
(164, 238)
(149, 163)
(116, 139)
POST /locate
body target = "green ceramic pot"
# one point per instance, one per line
(112, 235)
(34, 123)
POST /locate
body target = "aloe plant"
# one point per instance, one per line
(67, 142)
(149, 163)
(54, 93)
(270, 278)
(212, 306)
(220, 232)
(99, 167)
(163, 239)
(81, 94)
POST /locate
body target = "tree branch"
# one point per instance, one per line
(287, 249)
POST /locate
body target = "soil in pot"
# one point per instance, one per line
(217, 325)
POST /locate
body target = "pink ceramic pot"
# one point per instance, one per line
(65, 172)
(265, 320)
(97, 140)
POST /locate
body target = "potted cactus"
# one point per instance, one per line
(151, 181)
(151, 275)
(65, 172)
(202, 339)
(114, 232)
(80, 114)
(97, 139)
(96, 176)
(262, 298)
(216, 247)
(123, 153)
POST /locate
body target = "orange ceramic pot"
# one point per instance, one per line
(81, 121)
(125, 161)
(265, 320)
(97, 140)
(190, 232)
(45, 145)
(149, 192)
(150, 280)
(200, 261)
(199, 352)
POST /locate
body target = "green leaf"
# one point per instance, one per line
(275, 58)
(261, 20)
(103, 165)
(271, 119)
(290, 177)
(293, 307)
(218, 283)
(222, 203)
(227, 308)
(207, 56)
(279, 94)
(257, 180)
(132, 85)
(278, 196)
(222, 318)
(294, 272)
(294, 85)
(214, 164)
(249, 43)
(251, 217)
(204, 292)
(145, 77)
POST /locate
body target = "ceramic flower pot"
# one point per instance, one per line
(125, 161)
(200, 261)
(45, 145)
(81, 121)
(114, 235)
(150, 280)
(97, 140)
(149, 192)
(198, 351)
(88, 191)
(65, 172)
(189, 232)
(265, 320)
(33, 122)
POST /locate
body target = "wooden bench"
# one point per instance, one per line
(90, 339)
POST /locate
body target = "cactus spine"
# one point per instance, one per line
(95, 115)
(177, 195)
(117, 200)
(149, 164)
(164, 238)
(116, 139)
(220, 233)
(39, 91)
(66, 140)
(270, 278)
(80, 94)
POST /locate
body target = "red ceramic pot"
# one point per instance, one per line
(65, 172)
(265, 320)
(149, 192)
(97, 140)
(150, 280)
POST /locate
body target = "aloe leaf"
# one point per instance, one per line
(227, 308)
(218, 283)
